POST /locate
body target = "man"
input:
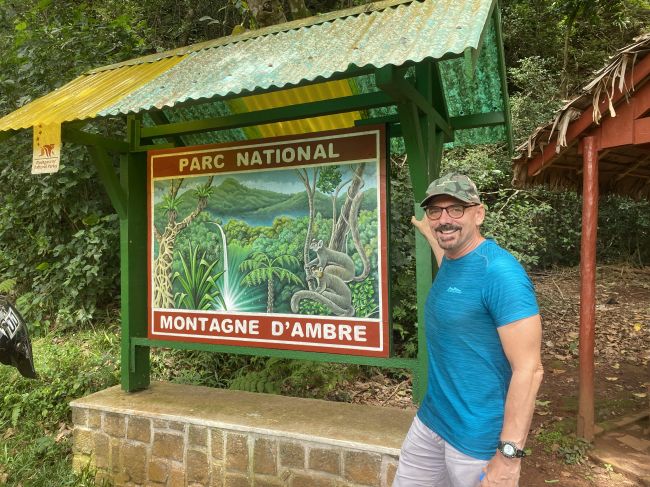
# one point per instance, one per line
(483, 333)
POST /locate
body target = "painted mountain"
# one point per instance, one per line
(259, 207)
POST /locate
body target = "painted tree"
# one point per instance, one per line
(262, 268)
(330, 181)
(347, 221)
(162, 286)
(310, 188)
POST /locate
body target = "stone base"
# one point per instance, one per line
(179, 435)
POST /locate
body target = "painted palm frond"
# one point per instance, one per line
(286, 261)
(203, 191)
(284, 275)
(261, 268)
(256, 277)
(170, 203)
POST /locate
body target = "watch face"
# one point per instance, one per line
(509, 450)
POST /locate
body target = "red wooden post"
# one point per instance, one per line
(588, 287)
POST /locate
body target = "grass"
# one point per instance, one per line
(35, 417)
(35, 422)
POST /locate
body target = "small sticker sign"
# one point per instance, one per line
(47, 148)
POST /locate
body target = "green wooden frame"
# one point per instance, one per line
(422, 119)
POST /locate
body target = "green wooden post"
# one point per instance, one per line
(133, 251)
(424, 122)
(496, 16)
(416, 153)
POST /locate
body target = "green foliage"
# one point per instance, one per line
(368, 236)
(313, 308)
(58, 240)
(194, 367)
(170, 204)
(515, 222)
(261, 269)
(578, 39)
(402, 260)
(535, 95)
(292, 377)
(201, 232)
(364, 298)
(35, 448)
(571, 449)
(58, 237)
(561, 227)
(264, 380)
(624, 230)
(253, 374)
(198, 282)
(7, 286)
(329, 178)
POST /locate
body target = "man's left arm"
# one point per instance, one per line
(521, 341)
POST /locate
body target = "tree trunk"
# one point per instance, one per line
(298, 9)
(270, 297)
(266, 12)
(337, 241)
(335, 219)
(564, 81)
(304, 175)
(162, 288)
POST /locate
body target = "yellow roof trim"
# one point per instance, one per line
(296, 96)
(86, 96)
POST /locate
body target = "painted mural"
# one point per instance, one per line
(257, 238)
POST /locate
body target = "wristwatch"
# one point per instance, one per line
(509, 449)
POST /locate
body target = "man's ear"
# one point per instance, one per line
(479, 215)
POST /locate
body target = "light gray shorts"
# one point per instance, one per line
(426, 460)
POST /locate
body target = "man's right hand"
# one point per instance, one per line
(423, 227)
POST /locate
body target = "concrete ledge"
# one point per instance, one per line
(173, 434)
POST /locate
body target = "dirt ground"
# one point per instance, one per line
(621, 373)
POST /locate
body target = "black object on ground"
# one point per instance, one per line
(15, 347)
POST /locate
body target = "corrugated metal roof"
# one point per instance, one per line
(481, 93)
(353, 41)
(291, 96)
(85, 96)
(408, 32)
(294, 96)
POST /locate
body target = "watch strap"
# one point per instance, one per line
(518, 452)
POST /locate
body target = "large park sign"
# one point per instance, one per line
(276, 243)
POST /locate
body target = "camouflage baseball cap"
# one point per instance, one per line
(453, 184)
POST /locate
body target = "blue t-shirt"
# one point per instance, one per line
(469, 373)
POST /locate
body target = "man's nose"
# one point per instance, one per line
(445, 218)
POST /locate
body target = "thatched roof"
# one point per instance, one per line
(550, 155)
